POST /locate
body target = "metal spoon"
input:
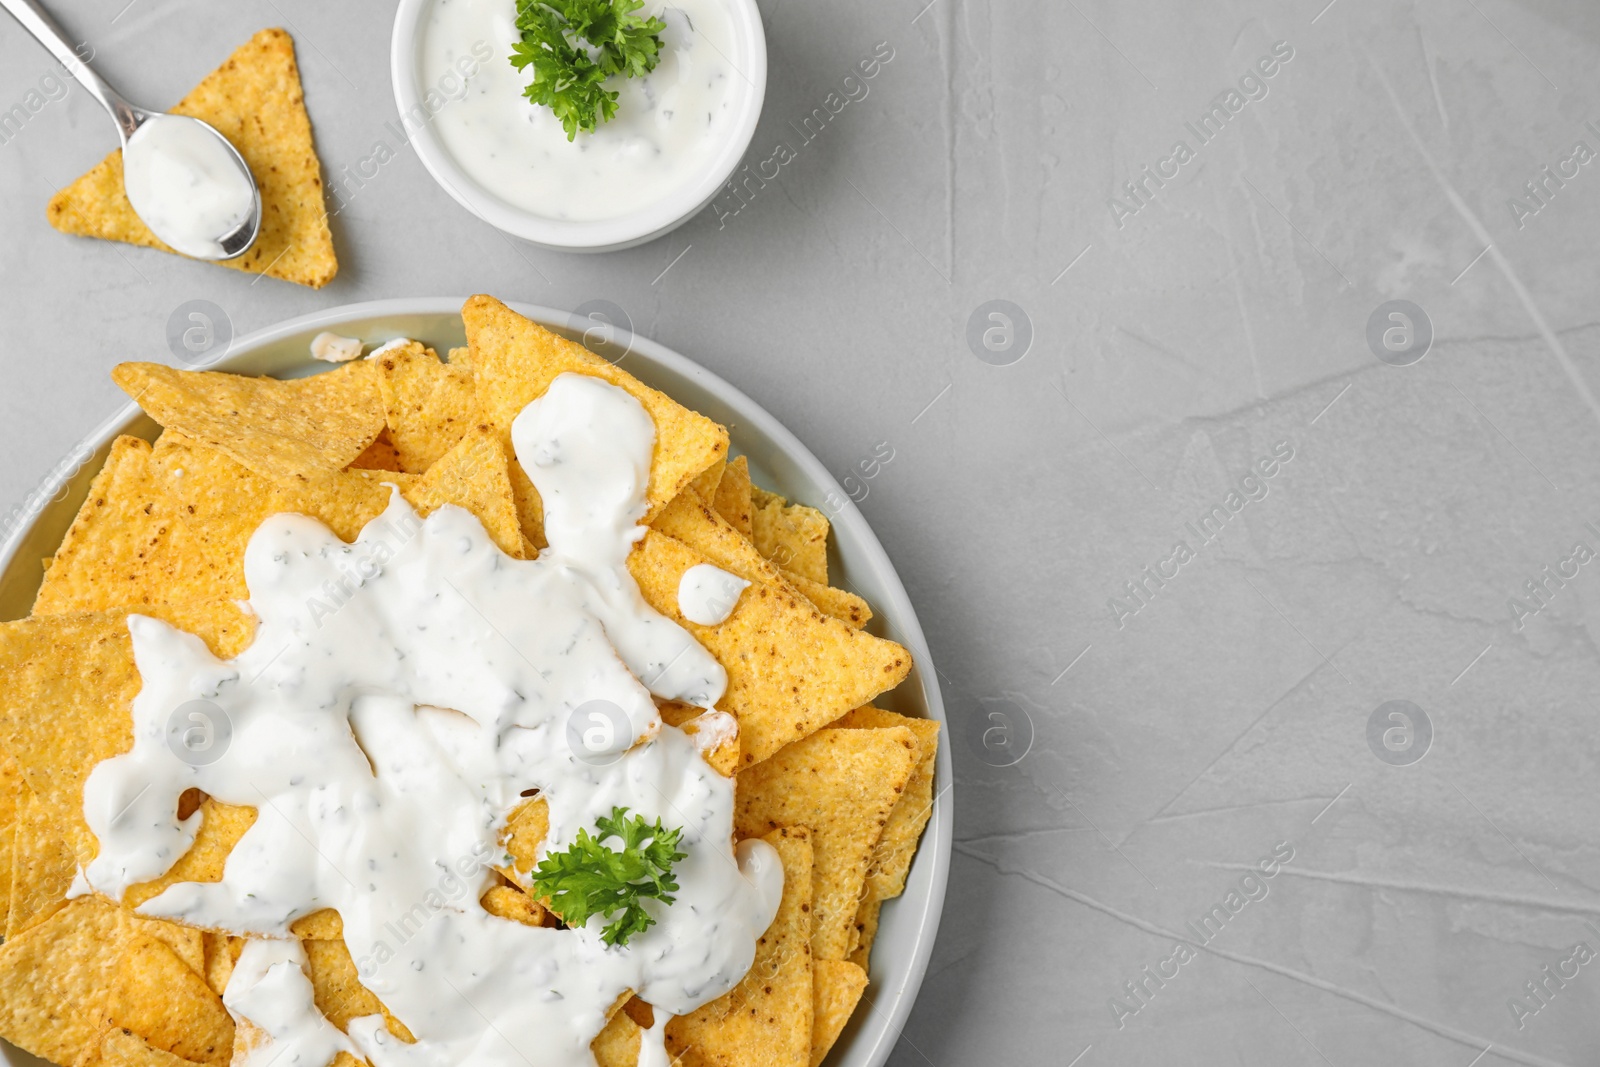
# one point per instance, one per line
(129, 119)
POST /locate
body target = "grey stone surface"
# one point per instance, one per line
(1175, 342)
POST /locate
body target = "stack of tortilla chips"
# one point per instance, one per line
(841, 789)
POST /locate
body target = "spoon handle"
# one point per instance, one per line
(38, 22)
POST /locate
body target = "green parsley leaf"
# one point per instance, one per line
(573, 46)
(591, 878)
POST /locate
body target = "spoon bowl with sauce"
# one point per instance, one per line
(184, 179)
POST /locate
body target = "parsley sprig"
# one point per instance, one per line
(591, 878)
(573, 46)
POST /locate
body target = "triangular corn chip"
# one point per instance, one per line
(42, 866)
(766, 1018)
(255, 101)
(842, 605)
(732, 498)
(126, 533)
(515, 361)
(865, 931)
(124, 1048)
(793, 536)
(839, 985)
(891, 860)
(89, 967)
(281, 430)
(80, 668)
(791, 670)
(842, 784)
(429, 405)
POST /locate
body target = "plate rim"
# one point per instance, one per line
(881, 1032)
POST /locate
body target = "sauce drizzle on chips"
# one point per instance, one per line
(386, 742)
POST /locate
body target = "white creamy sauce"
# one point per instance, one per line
(401, 694)
(333, 348)
(185, 184)
(388, 346)
(668, 127)
(708, 594)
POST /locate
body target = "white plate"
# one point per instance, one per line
(777, 460)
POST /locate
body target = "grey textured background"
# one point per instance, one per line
(1170, 353)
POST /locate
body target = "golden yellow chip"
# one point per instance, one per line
(724, 758)
(864, 931)
(891, 860)
(338, 992)
(43, 866)
(793, 536)
(842, 605)
(732, 498)
(690, 519)
(124, 1048)
(429, 405)
(221, 953)
(124, 530)
(618, 1044)
(282, 430)
(839, 985)
(221, 827)
(255, 101)
(14, 792)
(766, 1018)
(514, 904)
(516, 360)
(89, 965)
(842, 784)
(791, 670)
(525, 829)
(80, 668)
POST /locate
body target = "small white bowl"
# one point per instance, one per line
(601, 235)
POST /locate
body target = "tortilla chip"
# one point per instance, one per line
(791, 670)
(842, 605)
(766, 1018)
(474, 474)
(724, 759)
(843, 785)
(123, 529)
(891, 860)
(690, 519)
(516, 360)
(705, 483)
(793, 536)
(732, 498)
(429, 405)
(69, 684)
(525, 829)
(43, 866)
(186, 942)
(221, 953)
(221, 827)
(14, 793)
(282, 430)
(87, 967)
(338, 992)
(204, 507)
(864, 931)
(514, 904)
(321, 925)
(618, 1044)
(256, 102)
(120, 1047)
(839, 985)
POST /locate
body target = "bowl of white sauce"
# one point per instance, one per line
(678, 133)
